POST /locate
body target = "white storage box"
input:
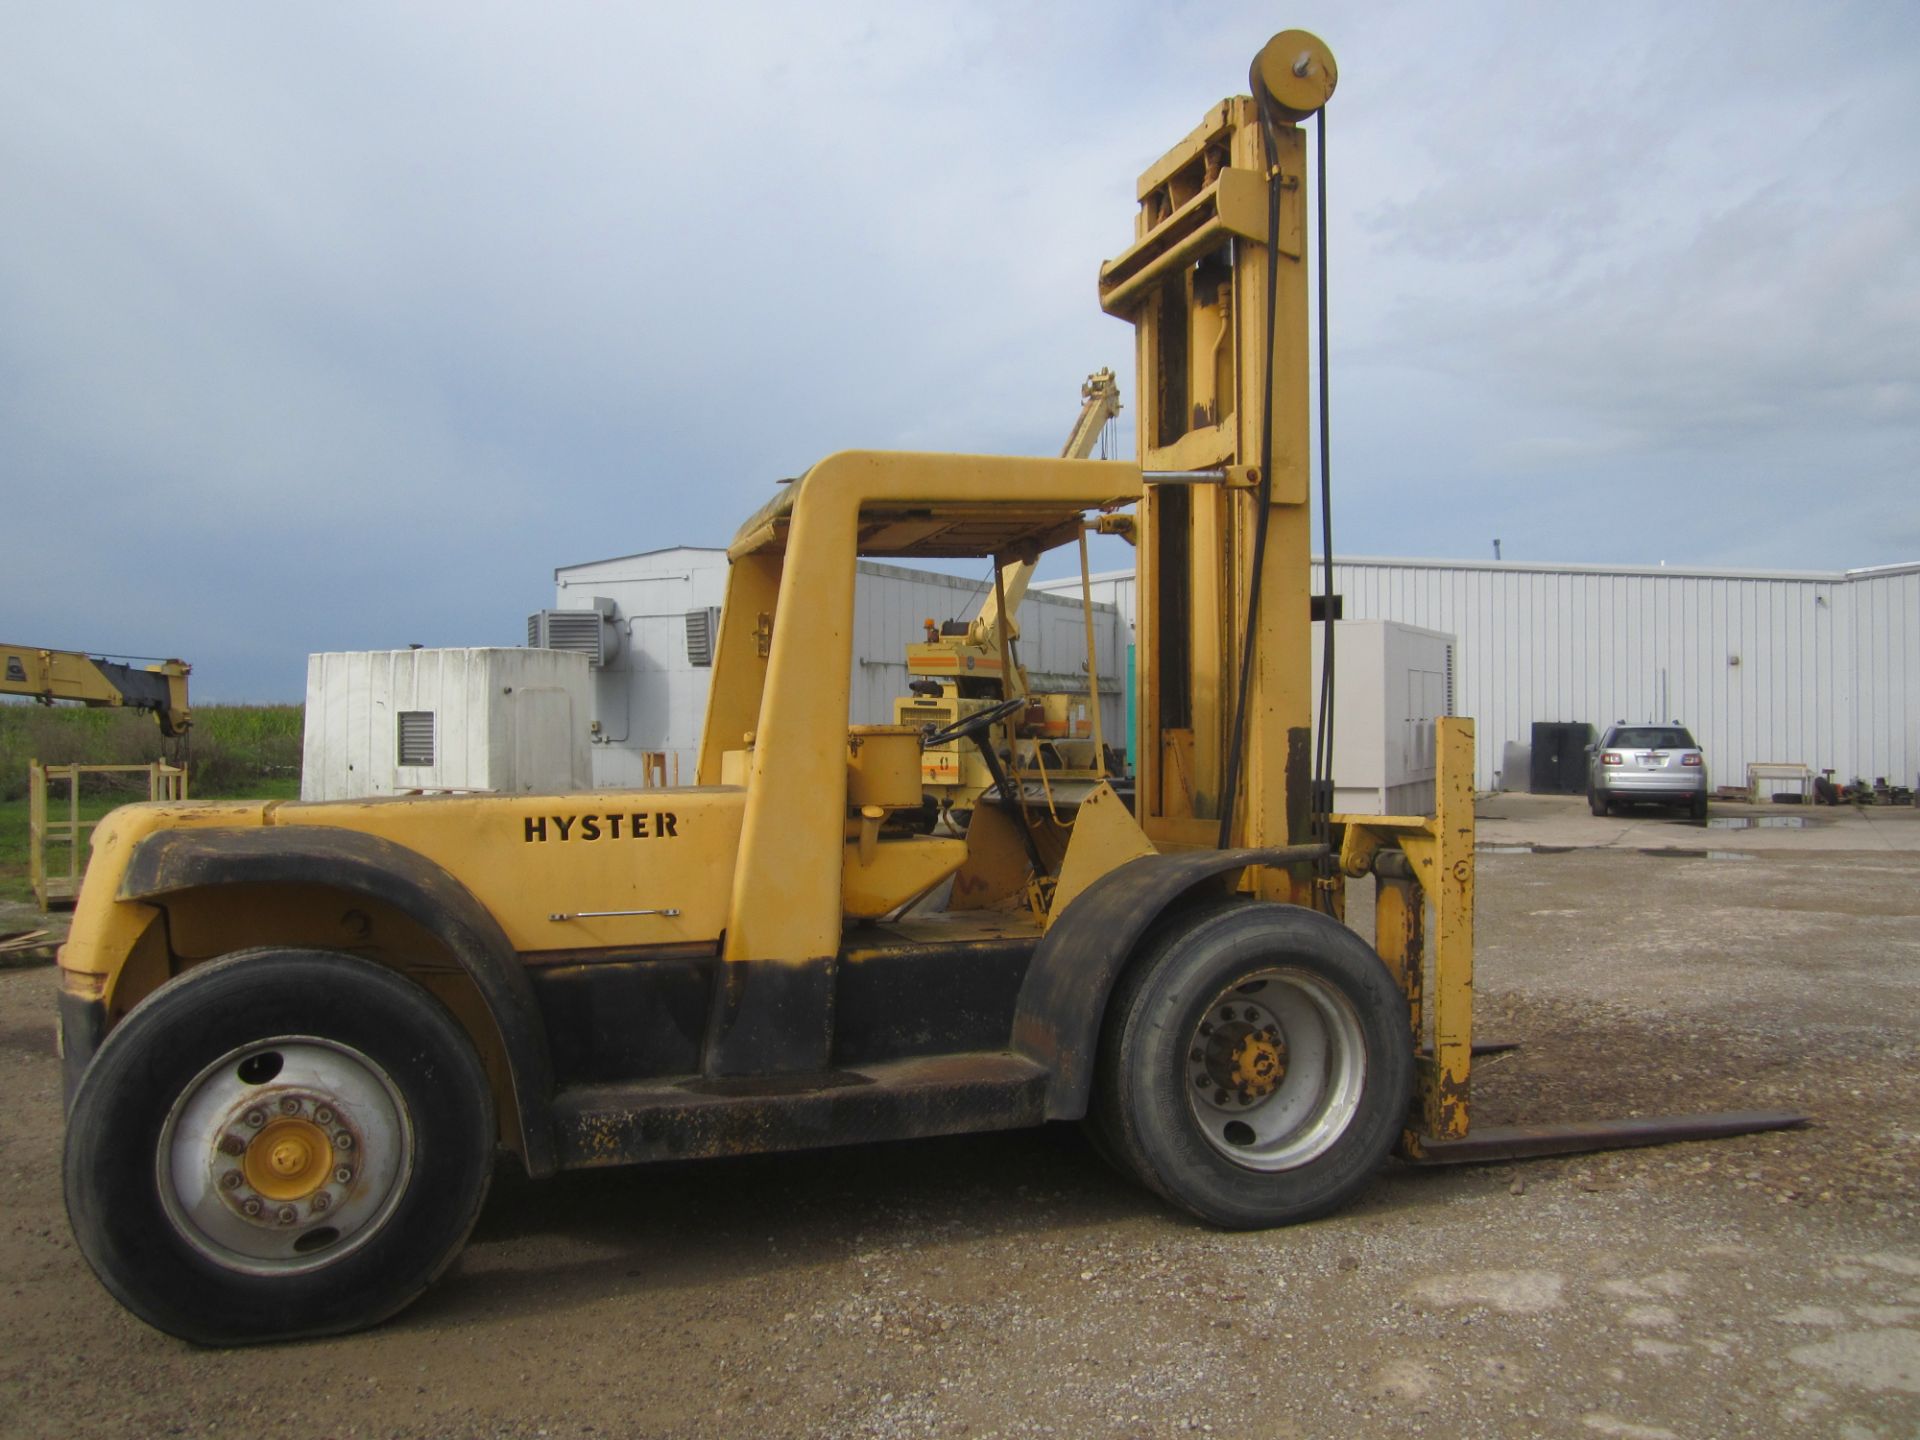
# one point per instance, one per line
(1391, 682)
(393, 722)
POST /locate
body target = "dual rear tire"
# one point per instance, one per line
(1256, 1065)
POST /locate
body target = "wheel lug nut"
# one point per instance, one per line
(289, 1106)
(251, 1206)
(231, 1180)
(232, 1145)
(256, 1118)
(1206, 1029)
(343, 1140)
(343, 1176)
(322, 1115)
(321, 1201)
(1219, 1097)
(286, 1215)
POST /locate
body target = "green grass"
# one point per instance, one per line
(235, 752)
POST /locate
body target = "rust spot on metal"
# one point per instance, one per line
(965, 884)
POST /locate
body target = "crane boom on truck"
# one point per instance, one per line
(51, 675)
(296, 1032)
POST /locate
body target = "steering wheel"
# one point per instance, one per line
(972, 727)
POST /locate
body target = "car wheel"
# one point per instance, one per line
(1256, 1064)
(280, 1143)
(1697, 808)
(1597, 801)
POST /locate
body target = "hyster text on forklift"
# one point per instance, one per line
(296, 1034)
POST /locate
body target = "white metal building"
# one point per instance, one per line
(1816, 667)
(651, 694)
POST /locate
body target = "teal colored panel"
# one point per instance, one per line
(1133, 720)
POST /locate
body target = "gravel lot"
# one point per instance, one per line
(1011, 1286)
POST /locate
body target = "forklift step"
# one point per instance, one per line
(696, 1117)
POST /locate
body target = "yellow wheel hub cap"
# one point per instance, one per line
(1257, 1066)
(289, 1159)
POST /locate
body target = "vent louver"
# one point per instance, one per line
(582, 631)
(416, 737)
(703, 635)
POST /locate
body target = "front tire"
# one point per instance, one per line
(280, 1143)
(1256, 1066)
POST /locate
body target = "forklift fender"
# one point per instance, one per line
(172, 861)
(1063, 999)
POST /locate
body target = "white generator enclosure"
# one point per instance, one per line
(395, 722)
(1391, 682)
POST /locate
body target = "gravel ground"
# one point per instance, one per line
(1011, 1286)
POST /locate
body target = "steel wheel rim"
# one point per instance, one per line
(1290, 1029)
(284, 1155)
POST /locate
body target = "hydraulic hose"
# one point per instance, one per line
(1322, 798)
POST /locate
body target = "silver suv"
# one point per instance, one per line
(1647, 764)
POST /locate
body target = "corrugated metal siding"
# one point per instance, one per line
(1820, 669)
(1884, 616)
(1827, 670)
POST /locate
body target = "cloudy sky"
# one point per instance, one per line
(340, 326)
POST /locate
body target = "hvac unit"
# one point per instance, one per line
(591, 633)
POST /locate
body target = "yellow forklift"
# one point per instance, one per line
(295, 1034)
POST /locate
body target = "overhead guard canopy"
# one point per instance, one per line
(917, 506)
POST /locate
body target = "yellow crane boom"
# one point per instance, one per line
(50, 675)
(1100, 402)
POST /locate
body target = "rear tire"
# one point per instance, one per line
(1597, 801)
(1256, 1064)
(1697, 807)
(280, 1143)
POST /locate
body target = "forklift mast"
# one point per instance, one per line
(1215, 286)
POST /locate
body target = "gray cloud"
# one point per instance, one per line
(340, 328)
